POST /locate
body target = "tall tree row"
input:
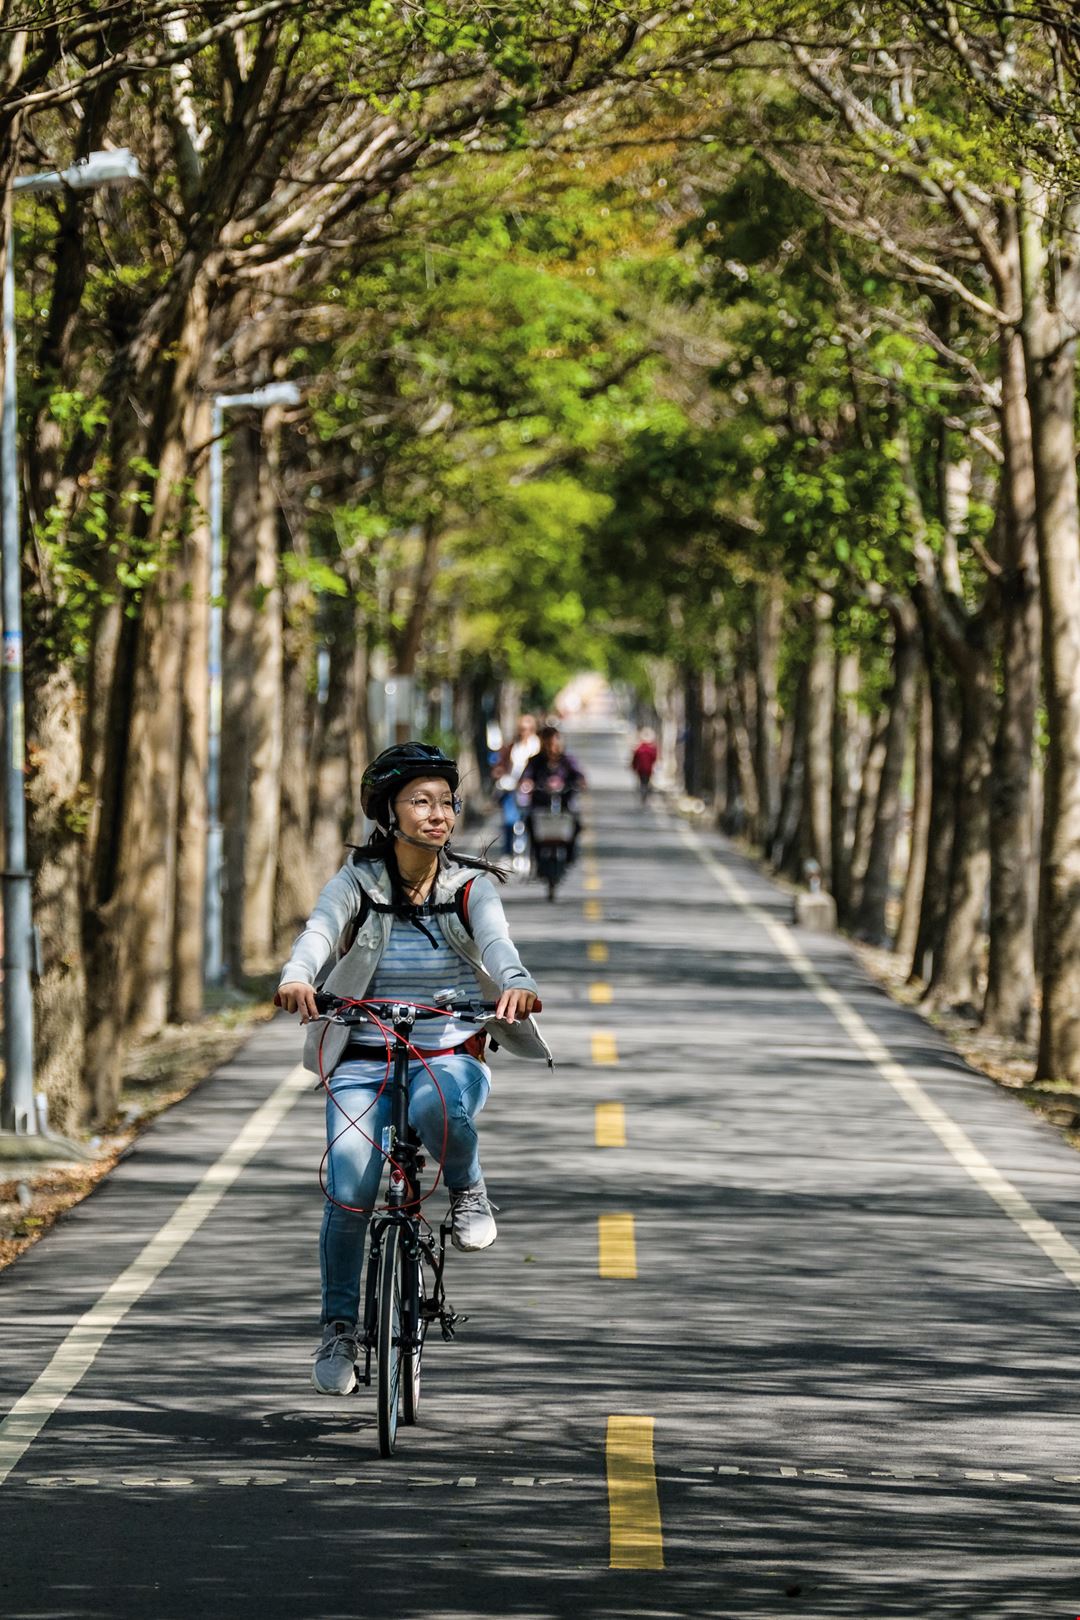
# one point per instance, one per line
(279, 148)
(729, 350)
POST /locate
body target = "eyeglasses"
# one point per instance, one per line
(423, 806)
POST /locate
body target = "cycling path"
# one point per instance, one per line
(781, 1320)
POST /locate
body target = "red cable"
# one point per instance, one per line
(354, 1124)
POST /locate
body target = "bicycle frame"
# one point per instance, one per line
(404, 1152)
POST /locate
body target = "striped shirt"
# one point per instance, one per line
(409, 970)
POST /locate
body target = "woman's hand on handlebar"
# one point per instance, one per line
(298, 997)
(514, 1005)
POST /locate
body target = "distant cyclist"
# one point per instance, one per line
(417, 918)
(553, 773)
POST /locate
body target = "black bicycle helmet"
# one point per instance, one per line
(393, 768)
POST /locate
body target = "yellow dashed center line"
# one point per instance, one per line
(593, 911)
(600, 994)
(618, 1251)
(597, 951)
(593, 885)
(637, 1540)
(604, 1050)
(610, 1125)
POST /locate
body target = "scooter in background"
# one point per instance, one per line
(552, 835)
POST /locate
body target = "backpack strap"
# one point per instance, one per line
(461, 906)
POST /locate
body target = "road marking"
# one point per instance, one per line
(206, 1481)
(610, 1124)
(77, 1353)
(618, 1251)
(1009, 1199)
(593, 911)
(597, 951)
(600, 993)
(637, 1540)
(604, 1050)
(592, 885)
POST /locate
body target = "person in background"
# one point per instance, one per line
(643, 761)
(510, 762)
(553, 773)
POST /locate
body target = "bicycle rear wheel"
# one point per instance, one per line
(388, 1341)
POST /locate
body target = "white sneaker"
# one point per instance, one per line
(334, 1372)
(473, 1224)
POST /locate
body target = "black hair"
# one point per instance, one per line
(380, 847)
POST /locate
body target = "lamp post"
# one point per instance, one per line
(279, 393)
(17, 1111)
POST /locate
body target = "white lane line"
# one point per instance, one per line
(1043, 1233)
(77, 1353)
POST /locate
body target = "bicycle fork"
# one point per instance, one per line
(432, 1304)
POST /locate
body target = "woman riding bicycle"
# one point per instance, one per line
(424, 919)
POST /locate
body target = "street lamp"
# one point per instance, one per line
(20, 941)
(279, 393)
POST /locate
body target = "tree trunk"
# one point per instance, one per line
(189, 908)
(709, 723)
(331, 797)
(818, 766)
(1050, 352)
(151, 796)
(845, 753)
(788, 853)
(264, 719)
(733, 821)
(693, 741)
(721, 744)
(106, 951)
(744, 801)
(407, 650)
(470, 726)
(1008, 1009)
(57, 809)
(359, 731)
(922, 798)
(944, 764)
(147, 864)
(237, 696)
(866, 804)
(870, 920)
(294, 888)
(768, 624)
(954, 981)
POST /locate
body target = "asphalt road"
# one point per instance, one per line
(843, 1310)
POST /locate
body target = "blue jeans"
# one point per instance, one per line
(354, 1167)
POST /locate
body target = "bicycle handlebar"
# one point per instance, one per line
(344, 1011)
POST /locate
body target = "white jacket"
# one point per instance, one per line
(490, 951)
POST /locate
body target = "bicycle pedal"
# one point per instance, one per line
(449, 1321)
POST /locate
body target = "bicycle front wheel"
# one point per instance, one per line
(388, 1341)
(418, 1291)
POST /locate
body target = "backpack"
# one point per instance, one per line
(458, 905)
